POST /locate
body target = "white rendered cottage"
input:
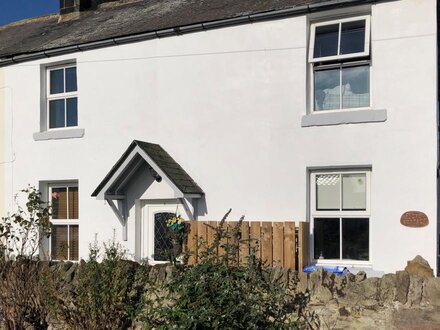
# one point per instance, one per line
(124, 112)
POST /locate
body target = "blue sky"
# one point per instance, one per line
(15, 10)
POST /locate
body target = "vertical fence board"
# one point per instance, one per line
(267, 243)
(255, 237)
(289, 245)
(244, 243)
(278, 244)
(223, 241)
(232, 240)
(192, 242)
(202, 234)
(303, 243)
(210, 236)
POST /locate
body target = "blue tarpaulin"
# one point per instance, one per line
(338, 270)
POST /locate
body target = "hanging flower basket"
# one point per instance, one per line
(177, 233)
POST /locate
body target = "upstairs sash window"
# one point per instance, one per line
(62, 97)
(340, 58)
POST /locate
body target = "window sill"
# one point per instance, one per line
(68, 133)
(344, 117)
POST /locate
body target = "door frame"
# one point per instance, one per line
(147, 210)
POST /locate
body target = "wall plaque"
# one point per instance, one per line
(414, 219)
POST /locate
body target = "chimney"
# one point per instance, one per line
(74, 6)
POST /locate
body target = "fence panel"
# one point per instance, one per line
(278, 244)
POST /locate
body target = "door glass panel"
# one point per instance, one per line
(353, 37)
(326, 41)
(162, 240)
(355, 239)
(326, 238)
(59, 203)
(354, 193)
(59, 243)
(327, 89)
(356, 87)
(328, 192)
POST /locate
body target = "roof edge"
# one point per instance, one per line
(179, 30)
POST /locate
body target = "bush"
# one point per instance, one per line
(103, 293)
(24, 284)
(218, 293)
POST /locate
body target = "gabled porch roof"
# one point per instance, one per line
(162, 165)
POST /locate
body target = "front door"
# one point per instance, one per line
(155, 241)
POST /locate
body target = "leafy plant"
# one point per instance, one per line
(220, 293)
(24, 284)
(22, 232)
(103, 293)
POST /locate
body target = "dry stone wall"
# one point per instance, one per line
(409, 299)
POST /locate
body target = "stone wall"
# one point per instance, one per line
(408, 299)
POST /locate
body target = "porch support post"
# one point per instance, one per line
(120, 214)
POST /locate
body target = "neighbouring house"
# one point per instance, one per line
(124, 113)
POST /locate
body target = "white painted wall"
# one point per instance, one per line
(227, 105)
(3, 92)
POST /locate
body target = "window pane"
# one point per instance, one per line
(59, 203)
(56, 113)
(352, 37)
(56, 81)
(72, 111)
(327, 89)
(71, 85)
(59, 243)
(162, 241)
(326, 41)
(326, 238)
(355, 239)
(328, 189)
(354, 195)
(73, 202)
(356, 86)
(73, 244)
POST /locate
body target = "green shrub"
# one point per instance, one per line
(24, 284)
(218, 293)
(102, 294)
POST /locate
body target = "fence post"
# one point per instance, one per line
(303, 242)
(289, 245)
(192, 242)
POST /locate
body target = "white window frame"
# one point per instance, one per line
(316, 64)
(60, 96)
(340, 214)
(64, 222)
(366, 51)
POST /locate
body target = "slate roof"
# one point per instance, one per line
(130, 17)
(166, 163)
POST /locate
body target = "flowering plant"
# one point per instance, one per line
(176, 224)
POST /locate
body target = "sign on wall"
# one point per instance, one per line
(414, 219)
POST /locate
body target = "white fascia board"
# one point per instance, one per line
(177, 192)
(116, 175)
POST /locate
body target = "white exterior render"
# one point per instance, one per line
(233, 106)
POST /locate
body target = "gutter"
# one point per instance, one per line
(179, 30)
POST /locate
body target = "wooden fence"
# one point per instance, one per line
(280, 244)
